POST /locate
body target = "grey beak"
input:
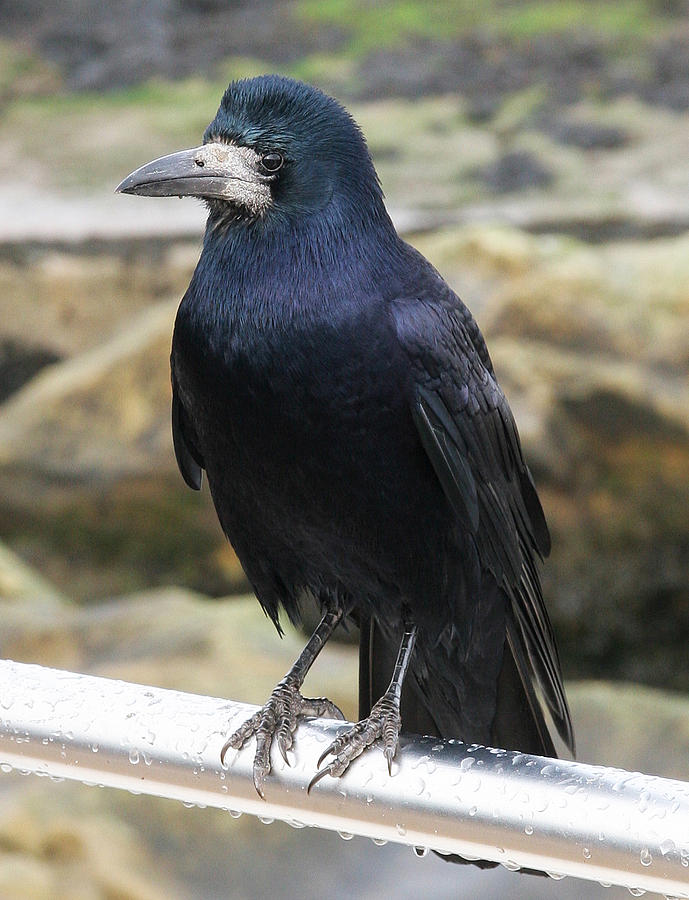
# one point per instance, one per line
(215, 170)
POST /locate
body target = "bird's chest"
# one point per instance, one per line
(287, 404)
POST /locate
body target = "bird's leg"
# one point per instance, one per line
(286, 706)
(384, 721)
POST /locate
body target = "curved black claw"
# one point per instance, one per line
(383, 722)
(277, 719)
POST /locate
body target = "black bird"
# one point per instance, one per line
(358, 447)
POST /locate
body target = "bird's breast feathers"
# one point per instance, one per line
(313, 378)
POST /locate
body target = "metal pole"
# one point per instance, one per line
(561, 817)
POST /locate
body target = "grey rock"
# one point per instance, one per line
(20, 584)
(88, 481)
(517, 170)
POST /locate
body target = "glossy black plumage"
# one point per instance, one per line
(357, 444)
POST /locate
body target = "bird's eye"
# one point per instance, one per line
(272, 162)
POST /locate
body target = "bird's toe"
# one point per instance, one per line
(278, 721)
(384, 723)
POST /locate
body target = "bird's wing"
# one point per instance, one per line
(189, 460)
(470, 437)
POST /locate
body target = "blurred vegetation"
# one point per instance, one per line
(23, 73)
(391, 23)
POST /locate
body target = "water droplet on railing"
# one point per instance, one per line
(267, 820)
(379, 842)
(345, 835)
(667, 846)
(235, 813)
(416, 785)
(427, 762)
(645, 857)
(420, 851)
(134, 757)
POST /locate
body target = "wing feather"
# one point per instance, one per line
(189, 459)
(467, 429)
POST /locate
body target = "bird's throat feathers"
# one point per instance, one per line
(266, 272)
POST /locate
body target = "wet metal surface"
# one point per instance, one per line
(566, 818)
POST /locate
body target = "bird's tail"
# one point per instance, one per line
(519, 723)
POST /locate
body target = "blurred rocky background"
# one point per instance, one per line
(537, 153)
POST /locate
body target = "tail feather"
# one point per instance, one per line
(518, 724)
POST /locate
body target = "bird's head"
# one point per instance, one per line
(276, 151)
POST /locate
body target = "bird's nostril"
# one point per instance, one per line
(200, 163)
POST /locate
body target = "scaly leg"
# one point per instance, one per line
(383, 722)
(286, 706)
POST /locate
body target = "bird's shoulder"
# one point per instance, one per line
(444, 344)
(463, 417)
(433, 324)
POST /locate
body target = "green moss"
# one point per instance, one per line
(153, 95)
(625, 18)
(322, 68)
(392, 23)
(22, 73)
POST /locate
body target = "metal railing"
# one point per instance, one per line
(561, 817)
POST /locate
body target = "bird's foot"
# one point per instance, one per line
(383, 722)
(277, 719)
